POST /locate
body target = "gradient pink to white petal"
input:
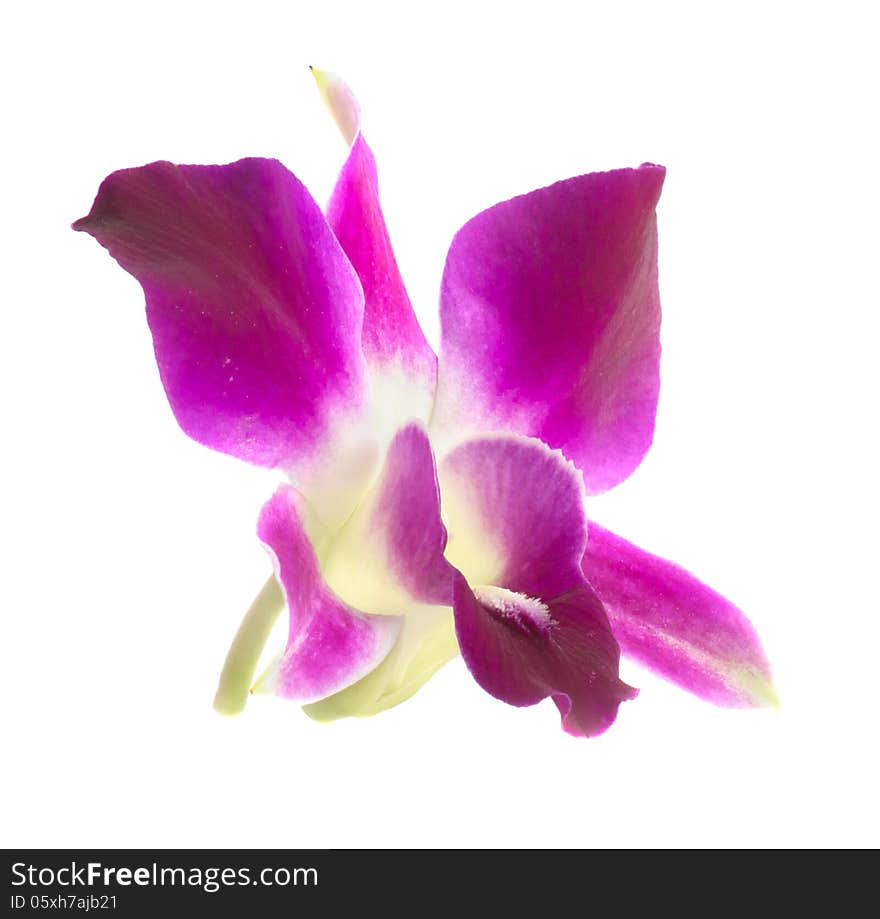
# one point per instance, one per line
(255, 313)
(329, 645)
(550, 320)
(402, 368)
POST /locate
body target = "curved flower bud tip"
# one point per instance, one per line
(285, 337)
(341, 102)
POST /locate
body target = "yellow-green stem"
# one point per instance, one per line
(247, 646)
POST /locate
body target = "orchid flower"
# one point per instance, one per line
(430, 507)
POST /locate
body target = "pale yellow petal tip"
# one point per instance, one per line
(760, 691)
(341, 101)
(769, 697)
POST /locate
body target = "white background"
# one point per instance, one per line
(129, 552)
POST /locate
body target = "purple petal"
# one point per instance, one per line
(330, 645)
(550, 318)
(514, 512)
(402, 366)
(405, 518)
(389, 556)
(530, 626)
(255, 310)
(522, 650)
(391, 331)
(667, 620)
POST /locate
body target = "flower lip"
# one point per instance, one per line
(534, 628)
(572, 658)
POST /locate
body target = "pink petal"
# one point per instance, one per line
(391, 332)
(528, 624)
(401, 363)
(388, 558)
(404, 518)
(255, 310)
(330, 645)
(550, 318)
(519, 506)
(664, 618)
